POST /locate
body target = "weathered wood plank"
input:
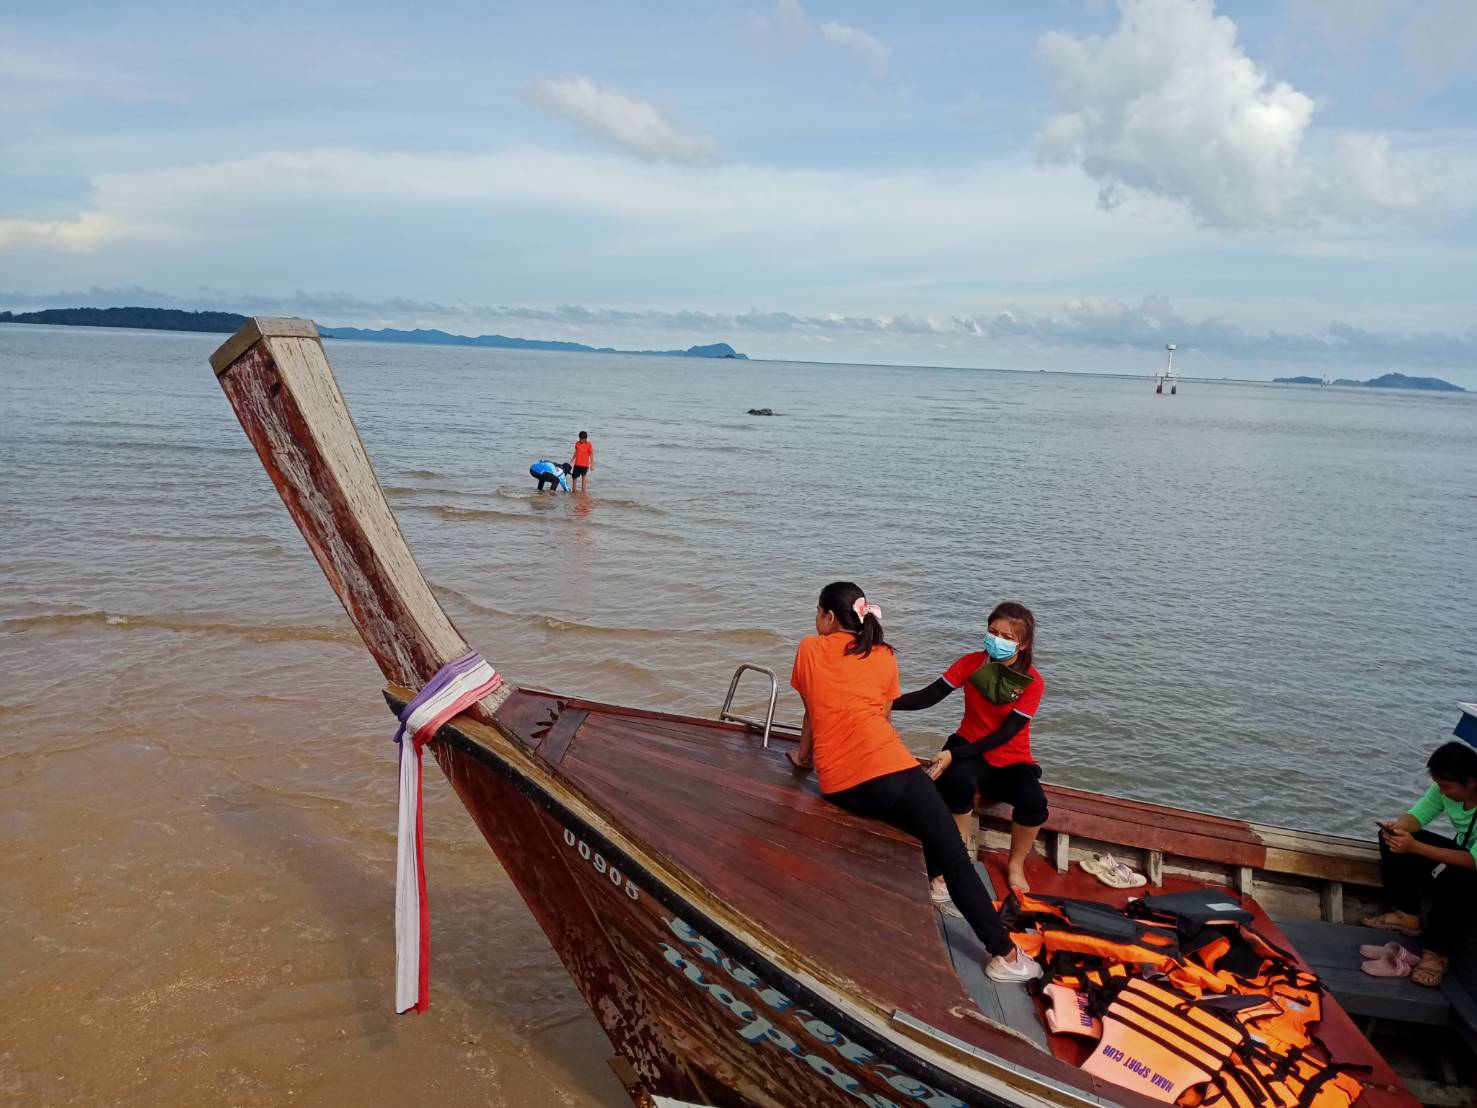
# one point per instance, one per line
(561, 735)
(253, 331)
(1351, 870)
(290, 406)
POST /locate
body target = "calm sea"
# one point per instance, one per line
(1250, 599)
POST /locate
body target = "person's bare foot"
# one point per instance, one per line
(1016, 877)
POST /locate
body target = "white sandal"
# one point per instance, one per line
(1113, 873)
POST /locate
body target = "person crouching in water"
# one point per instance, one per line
(556, 475)
(990, 752)
(846, 675)
(1409, 855)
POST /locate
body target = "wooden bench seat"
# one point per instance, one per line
(1145, 826)
(1332, 950)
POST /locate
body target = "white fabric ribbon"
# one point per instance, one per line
(455, 688)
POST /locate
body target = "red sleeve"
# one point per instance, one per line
(1030, 699)
(959, 672)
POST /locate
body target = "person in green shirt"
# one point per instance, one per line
(1415, 862)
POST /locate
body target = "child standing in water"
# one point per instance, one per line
(990, 752)
(847, 676)
(582, 462)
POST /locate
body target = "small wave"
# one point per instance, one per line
(520, 495)
(540, 621)
(524, 496)
(452, 512)
(547, 510)
(251, 632)
(261, 542)
(421, 474)
(103, 445)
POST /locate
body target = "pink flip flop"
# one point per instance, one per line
(1376, 951)
(1388, 966)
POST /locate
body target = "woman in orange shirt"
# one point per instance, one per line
(847, 676)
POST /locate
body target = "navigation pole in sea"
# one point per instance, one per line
(1167, 374)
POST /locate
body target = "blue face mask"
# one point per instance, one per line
(999, 648)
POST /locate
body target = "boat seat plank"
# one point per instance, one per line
(1333, 951)
(1145, 826)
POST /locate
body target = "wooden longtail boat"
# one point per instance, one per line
(740, 940)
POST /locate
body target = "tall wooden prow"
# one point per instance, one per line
(277, 377)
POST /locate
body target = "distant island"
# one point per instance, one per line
(1388, 381)
(173, 319)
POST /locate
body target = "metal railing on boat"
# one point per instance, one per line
(767, 723)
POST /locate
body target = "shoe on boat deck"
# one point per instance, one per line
(938, 892)
(1017, 967)
(1391, 921)
(1394, 950)
(1113, 873)
(1387, 965)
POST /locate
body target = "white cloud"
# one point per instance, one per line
(636, 125)
(791, 26)
(82, 235)
(872, 51)
(1170, 105)
(788, 24)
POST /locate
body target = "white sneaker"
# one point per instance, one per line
(1015, 967)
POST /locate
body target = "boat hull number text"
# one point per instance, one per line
(600, 865)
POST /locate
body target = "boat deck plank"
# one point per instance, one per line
(1009, 1005)
(866, 917)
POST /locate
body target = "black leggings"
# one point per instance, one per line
(1018, 785)
(1407, 878)
(552, 478)
(909, 801)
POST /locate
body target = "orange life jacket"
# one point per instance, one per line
(1260, 1077)
(1226, 1024)
(1156, 1042)
(1069, 1012)
(1087, 927)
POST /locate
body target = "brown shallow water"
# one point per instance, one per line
(199, 885)
(1244, 595)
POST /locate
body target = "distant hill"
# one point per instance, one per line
(173, 319)
(154, 319)
(1388, 381)
(503, 342)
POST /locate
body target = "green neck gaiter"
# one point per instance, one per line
(998, 683)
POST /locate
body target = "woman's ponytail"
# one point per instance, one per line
(853, 613)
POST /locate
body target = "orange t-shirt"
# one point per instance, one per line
(584, 450)
(847, 698)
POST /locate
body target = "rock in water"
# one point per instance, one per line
(761, 411)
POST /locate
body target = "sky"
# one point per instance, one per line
(1277, 186)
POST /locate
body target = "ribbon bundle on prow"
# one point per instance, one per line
(455, 688)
